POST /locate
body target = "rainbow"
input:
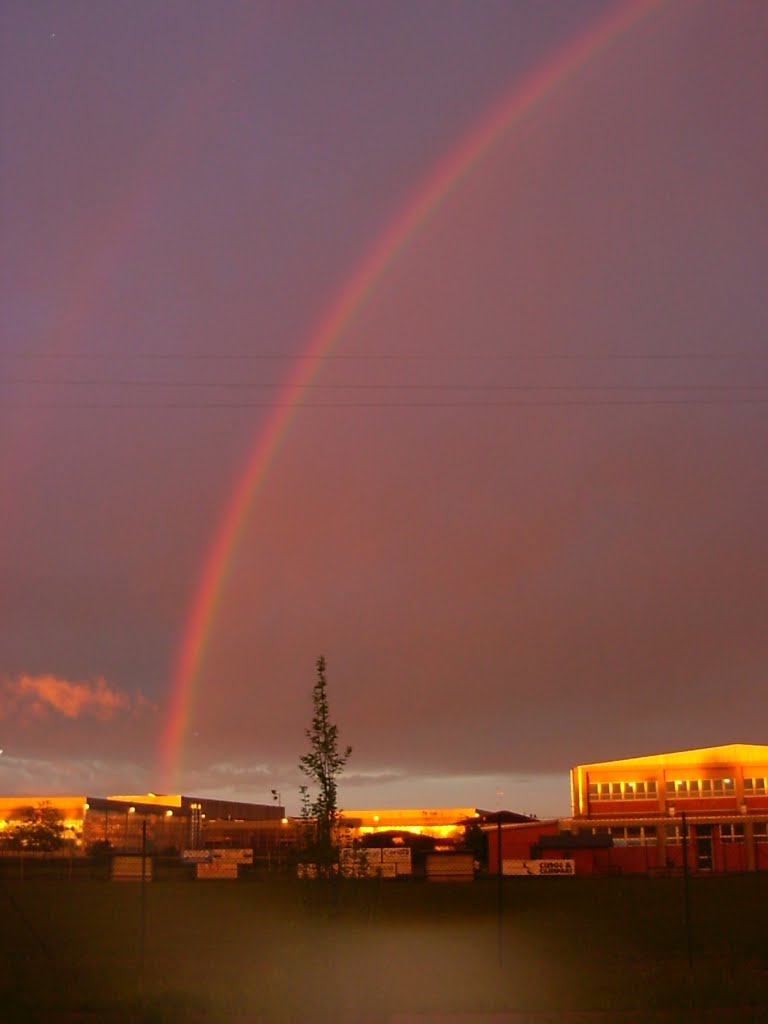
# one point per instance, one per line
(445, 179)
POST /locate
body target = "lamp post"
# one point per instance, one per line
(686, 893)
(499, 890)
(128, 812)
(143, 937)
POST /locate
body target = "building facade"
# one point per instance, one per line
(706, 809)
(160, 823)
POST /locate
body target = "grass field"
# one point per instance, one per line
(283, 951)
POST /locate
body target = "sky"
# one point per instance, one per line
(516, 495)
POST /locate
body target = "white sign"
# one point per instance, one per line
(550, 868)
(196, 856)
(400, 854)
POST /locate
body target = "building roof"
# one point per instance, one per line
(730, 753)
(505, 817)
(581, 840)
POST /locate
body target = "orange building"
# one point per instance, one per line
(644, 814)
(440, 823)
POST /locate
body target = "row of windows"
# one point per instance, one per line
(633, 835)
(645, 790)
(646, 835)
(730, 832)
(700, 787)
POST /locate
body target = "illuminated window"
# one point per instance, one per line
(623, 790)
(686, 788)
(731, 833)
(754, 787)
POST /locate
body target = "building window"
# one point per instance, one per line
(672, 835)
(760, 832)
(645, 790)
(634, 835)
(754, 787)
(699, 787)
(731, 833)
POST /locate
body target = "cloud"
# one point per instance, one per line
(231, 768)
(62, 775)
(41, 696)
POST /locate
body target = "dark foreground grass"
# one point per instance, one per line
(560, 949)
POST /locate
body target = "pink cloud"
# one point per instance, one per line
(38, 696)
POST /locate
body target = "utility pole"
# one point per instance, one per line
(686, 893)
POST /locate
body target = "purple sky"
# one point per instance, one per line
(524, 517)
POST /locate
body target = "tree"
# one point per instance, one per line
(323, 765)
(39, 828)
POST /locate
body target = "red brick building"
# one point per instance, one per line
(640, 814)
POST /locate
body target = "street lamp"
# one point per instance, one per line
(129, 810)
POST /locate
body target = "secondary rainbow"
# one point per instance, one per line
(476, 146)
